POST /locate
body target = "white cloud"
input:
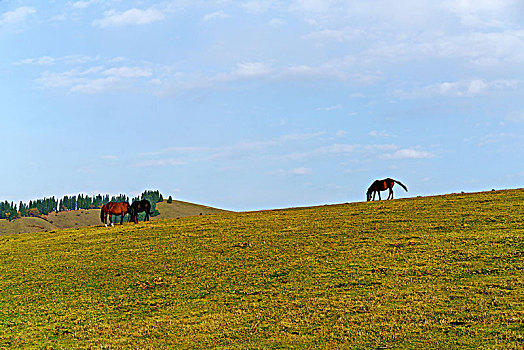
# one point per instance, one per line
(248, 70)
(214, 16)
(158, 163)
(375, 133)
(96, 86)
(78, 81)
(94, 79)
(408, 153)
(277, 22)
(341, 69)
(109, 157)
(128, 72)
(297, 171)
(336, 149)
(482, 12)
(301, 171)
(483, 49)
(339, 35)
(17, 15)
(474, 87)
(257, 6)
(48, 60)
(329, 108)
(462, 88)
(379, 151)
(44, 60)
(130, 17)
(251, 69)
(312, 5)
(516, 116)
(82, 4)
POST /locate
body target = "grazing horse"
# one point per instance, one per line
(115, 208)
(140, 206)
(382, 185)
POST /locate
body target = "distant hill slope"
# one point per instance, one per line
(442, 272)
(25, 225)
(181, 209)
(84, 217)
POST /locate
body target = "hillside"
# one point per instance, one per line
(179, 209)
(83, 218)
(430, 273)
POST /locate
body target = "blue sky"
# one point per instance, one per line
(260, 104)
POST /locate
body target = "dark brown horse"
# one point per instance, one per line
(140, 206)
(382, 185)
(115, 208)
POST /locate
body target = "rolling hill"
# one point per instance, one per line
(417, 273)
(84, 217)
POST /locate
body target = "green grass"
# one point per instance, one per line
(435, 272)
(25, 225)
(83, 218)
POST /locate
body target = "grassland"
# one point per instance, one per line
(435, 272)
(83, 218)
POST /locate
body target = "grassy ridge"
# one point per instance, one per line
(415, 273)
(84, 217)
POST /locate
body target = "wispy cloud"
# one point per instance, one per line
(49, 60)
(16, 16)
(461, 88)
(381, 133)
(214, 16)
(82, 4)
(517, 116)
(107, 76)
(329, 108)
(130, 17)
(377, 151)
(481, 13)
(408, 153)
(270, 148)
(257, 6)
(128, 72)
(247, 70)
(339, 35)
(158, 163)
(296, 171)
(109, 157)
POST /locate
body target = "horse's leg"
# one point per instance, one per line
(122, 218)
(379, 198)
(111, 219)
(390, 195)
(105, 219)
(147, 216)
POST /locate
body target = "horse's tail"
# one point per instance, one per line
(401, 184)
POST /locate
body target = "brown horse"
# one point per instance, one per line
(382, 185)
(115, 208)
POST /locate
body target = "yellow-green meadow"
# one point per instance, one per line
(432, 272)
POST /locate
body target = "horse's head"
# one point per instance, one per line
(371, 191)
(130, 210)
(132, 213)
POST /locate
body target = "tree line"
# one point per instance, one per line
(45, 206)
